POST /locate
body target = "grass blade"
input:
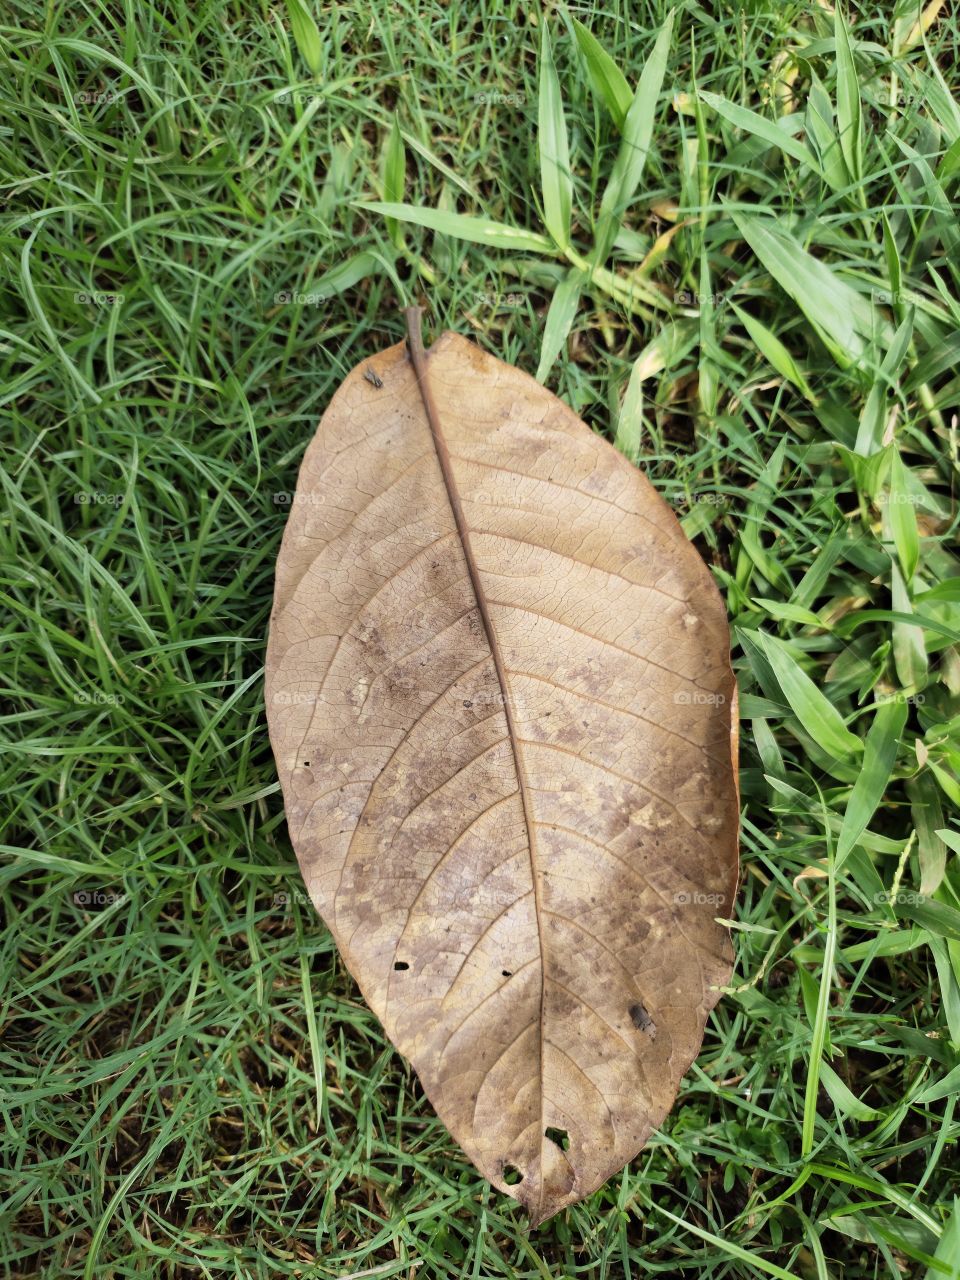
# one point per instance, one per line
(394, 174)
(938, 918)
(818, 716)
(306, 35)
(414, 143)
(463, 226)
(902, 517)
(820, 1029)
(607, 81)
(879, 758)
(942, 1088)
(632, 156)
(849, 121)
(346, 274)
(844, 318)
(909, 642)
(775, 353)
(560, 317)
(846, 1102)
(891, 256)
(672, 343)
(555, 180)
(753, 1260)
(761, 127)
(822, 132)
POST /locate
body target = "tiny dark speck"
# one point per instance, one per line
(642, 1020)
(467, 702)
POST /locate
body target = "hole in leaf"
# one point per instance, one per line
(559, 1136)
(507, 973)
(401, 964)
(512, 1175)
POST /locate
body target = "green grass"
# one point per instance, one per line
(191, 1085)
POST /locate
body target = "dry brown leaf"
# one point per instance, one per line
(816, 871)
(503, 714)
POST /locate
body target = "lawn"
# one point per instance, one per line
(727, 239)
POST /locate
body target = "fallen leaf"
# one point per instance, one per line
(658, 250)
(504, 718)
(668, 210)
(923, 24)
(814, 872)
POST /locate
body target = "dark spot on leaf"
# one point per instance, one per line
(467, 702)
(642, 1020)
(559, 1136)
(511, 1175)
(507, 973)
(401, 964)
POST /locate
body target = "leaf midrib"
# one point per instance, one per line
(418, 358)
